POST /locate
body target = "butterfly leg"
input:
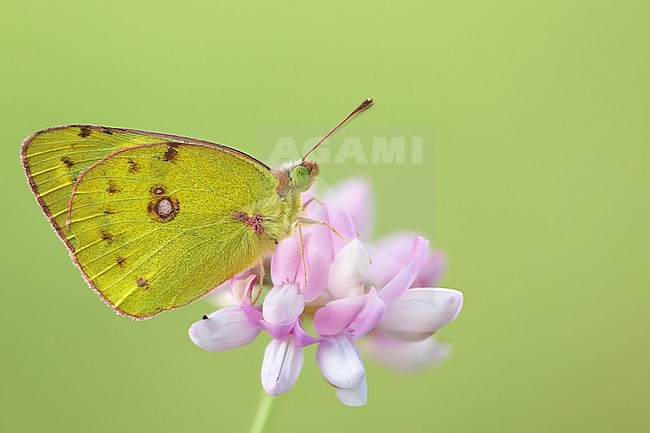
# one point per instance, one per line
(310, 221)
(302, 252)
(310, 201)
(262, 275)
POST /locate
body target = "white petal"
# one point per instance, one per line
(224, 329)
(230, 292)
(283, 360)
(357, 396)
(238, 288)
(221, 297)
(418, 313)
(348, 270)
(283, 304)
(339, 362)
(405, 356)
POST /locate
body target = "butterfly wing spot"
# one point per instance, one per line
(106, 236)
(134, 167)
(109, 212)
(120, 261)
(157, 190)
(112, 187)
(106, 130)
(171, 154)
(68, 162)
(163, 209)
(143, 283)
(254, 222)
(85, 131)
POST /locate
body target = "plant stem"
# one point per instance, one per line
(263, 413)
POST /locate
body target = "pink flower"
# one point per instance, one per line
(345, 295)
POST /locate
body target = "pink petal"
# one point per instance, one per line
(283, 361)
(404, 279)
(280, 331)
(389, 256)
(283, 304)
(317, 272)
(252, 313)
(356, 315)
(369, 316)
(327, 241)
(357, 396)
(224, 329)
(339, 362)
(421, 312)
(347, 272)
(285, 262)
(287, 266)
(355, 196)
(337, 315)
(405, 356)
(303, 338)
(392, 253)
(432, 269)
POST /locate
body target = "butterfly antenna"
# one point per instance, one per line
(365, 104)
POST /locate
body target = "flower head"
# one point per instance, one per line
(327, 273)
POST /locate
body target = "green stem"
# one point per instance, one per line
(263, 413)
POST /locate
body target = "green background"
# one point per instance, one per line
(540, 171)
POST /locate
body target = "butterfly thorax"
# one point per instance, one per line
(274, 219)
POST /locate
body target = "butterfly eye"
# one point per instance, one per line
(300, 177)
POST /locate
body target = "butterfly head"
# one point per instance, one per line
(302, 174)
(297, 177)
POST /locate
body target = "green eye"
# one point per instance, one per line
(300, 177)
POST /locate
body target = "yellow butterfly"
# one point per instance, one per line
(155, 221)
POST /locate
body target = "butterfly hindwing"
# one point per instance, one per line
(151, 224)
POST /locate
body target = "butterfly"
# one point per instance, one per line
(155, 221)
